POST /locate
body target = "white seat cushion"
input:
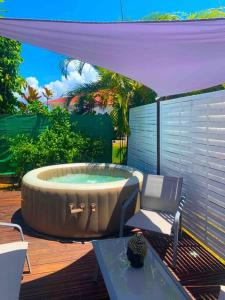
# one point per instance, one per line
(151, 221)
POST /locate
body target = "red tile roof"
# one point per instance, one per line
(98, 98)
(63, 100)
(59, 100)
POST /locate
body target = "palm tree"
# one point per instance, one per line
(67, 61)
(122, 90)
(123, 93)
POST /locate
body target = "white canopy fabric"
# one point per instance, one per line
(170, 57)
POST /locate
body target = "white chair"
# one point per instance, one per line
(161, 207)
(18, 227)
(222, 293)
(12, 258)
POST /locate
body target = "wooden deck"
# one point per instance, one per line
(64, 270)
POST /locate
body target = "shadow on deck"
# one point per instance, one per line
(64, 270)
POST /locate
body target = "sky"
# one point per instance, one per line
(41, 67)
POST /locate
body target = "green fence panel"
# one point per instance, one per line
(19, 124)
(95, 126)
(10, 126)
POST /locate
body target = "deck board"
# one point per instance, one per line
(64, 270)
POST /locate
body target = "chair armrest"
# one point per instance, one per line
(125, 205)
(177, 218)
(182, 201)
(178, 214)
(13, 225)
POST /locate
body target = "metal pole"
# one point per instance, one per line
(121, 10)
(158, 133)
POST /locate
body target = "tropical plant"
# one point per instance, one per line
(122, 92)
(24, 154)
(31, 94)
(34, 108)
(10, 79)
(64, 64)
(47, 93)
(212, 13)
(2, 10)
(156, 16)
(85, 104)
(33, 104)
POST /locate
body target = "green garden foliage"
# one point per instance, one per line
(36, 107)
(211, 13)
(86, 104)
(161, 17)
(142, 96)
(2, 10)
(32, 104)
(34, 141)
(124, 93)
(57, 144)
(10, 79)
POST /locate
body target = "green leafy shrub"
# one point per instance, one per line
(10, 79)
(55, 145)
(23, 153)
(36, 107)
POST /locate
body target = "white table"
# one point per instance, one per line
(153, 281)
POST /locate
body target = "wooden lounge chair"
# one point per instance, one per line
(18, 227)
(12, 257)
(161, 207)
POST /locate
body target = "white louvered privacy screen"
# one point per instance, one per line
(192, 146)
(142, 152)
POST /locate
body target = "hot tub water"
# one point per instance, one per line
(82, 178)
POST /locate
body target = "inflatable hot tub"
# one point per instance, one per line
(77, 200)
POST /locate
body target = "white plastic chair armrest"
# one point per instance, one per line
(13, 225)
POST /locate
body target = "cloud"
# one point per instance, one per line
(63, 85)
(73, 80)
(32, 81)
